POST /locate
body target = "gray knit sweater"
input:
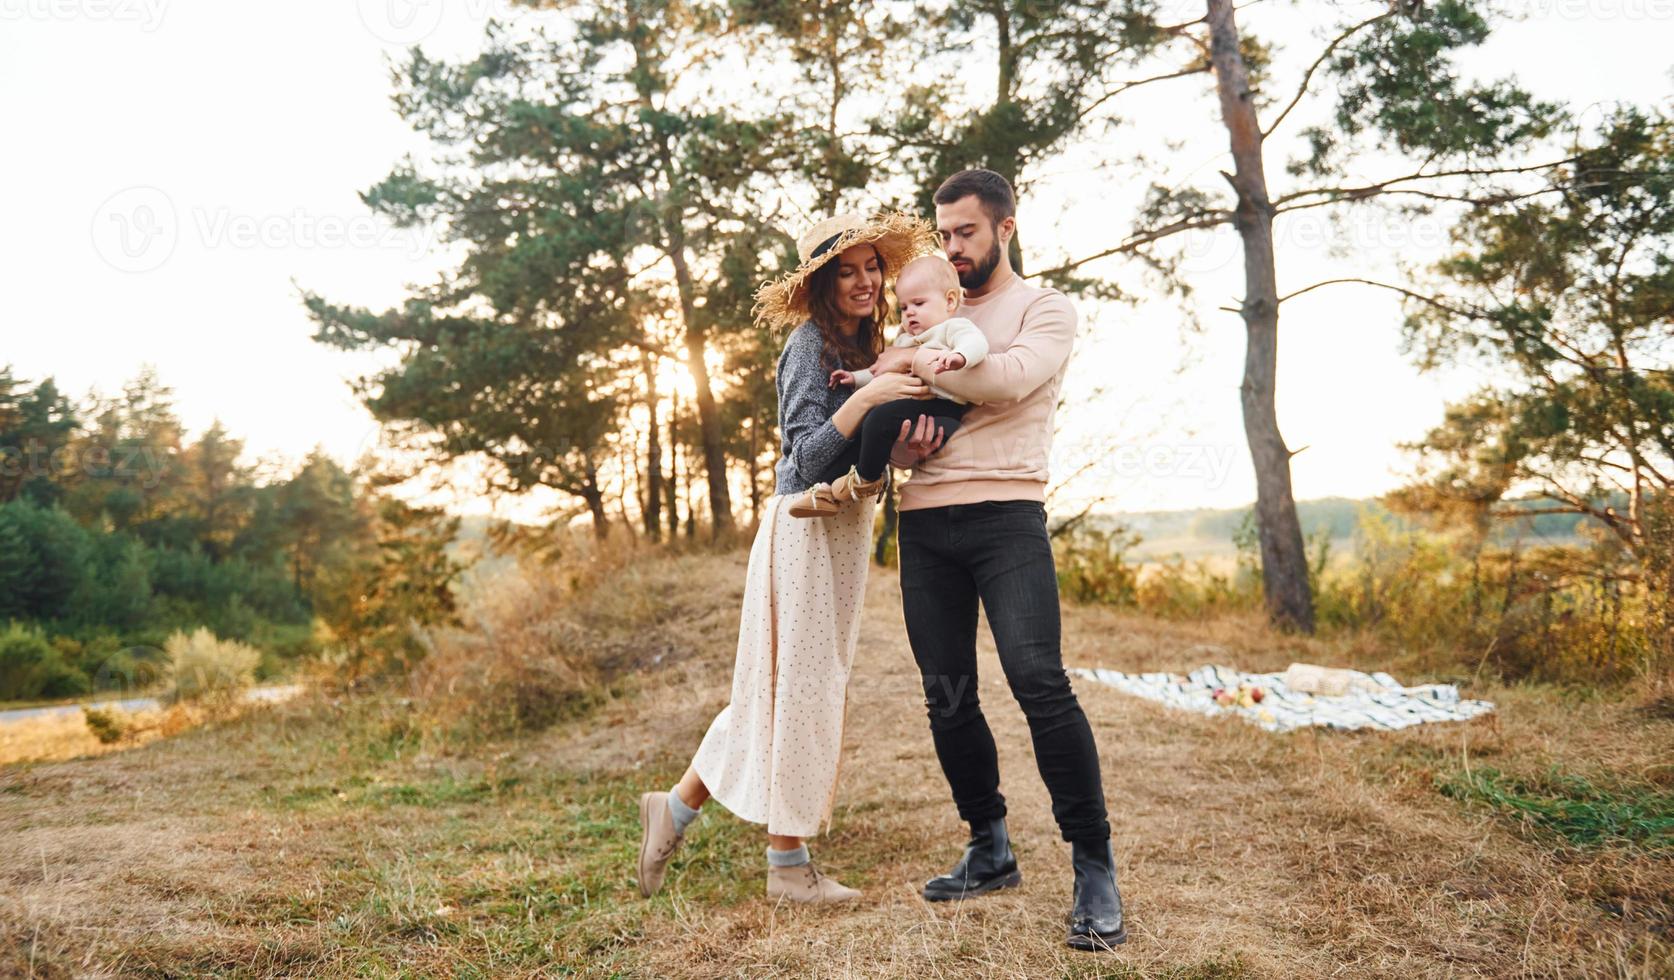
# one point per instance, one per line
(808, 442)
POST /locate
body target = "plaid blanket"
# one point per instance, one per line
(1389, 707)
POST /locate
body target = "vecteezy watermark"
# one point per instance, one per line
(1359, 231)
(401, 21)
(222, 228)
(1209, 463)
(134, 668)
(411, 21)
(1600, 9)
(148, 14)
(140, 467)
(138, 228)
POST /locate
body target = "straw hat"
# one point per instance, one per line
(898, 236)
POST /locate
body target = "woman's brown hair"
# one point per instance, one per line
(822, 309)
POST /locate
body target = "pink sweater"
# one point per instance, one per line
(1000, 451)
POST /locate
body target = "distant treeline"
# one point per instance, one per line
(1335, 517)
(116, 531)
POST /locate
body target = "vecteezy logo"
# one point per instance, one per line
(400, 21)
(136, 229)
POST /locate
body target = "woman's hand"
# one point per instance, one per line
(890, 387)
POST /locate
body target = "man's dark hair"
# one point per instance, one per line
(993, 190)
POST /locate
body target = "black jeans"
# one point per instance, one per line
(882, 426)
(998, 552)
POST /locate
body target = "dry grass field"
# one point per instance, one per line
(331, 837)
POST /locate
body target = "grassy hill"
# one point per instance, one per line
(410, 832)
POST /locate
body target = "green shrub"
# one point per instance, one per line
(1093, 565)
(31, 667)
(1571, 613)
(204, 667)
(1565, 613)
(106, 726)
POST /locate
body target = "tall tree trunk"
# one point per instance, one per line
(709, 415)
(691, 509)
(673, 222)
(627, 521)
(653, 514)
(594, 495)
(1006, 160)
(675, 481)
(1284, 560)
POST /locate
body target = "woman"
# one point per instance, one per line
(770, 756)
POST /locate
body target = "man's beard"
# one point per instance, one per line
(979, 272)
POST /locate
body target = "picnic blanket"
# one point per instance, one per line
(1380, 703)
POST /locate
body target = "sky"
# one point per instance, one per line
(177, 171)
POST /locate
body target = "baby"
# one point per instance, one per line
(928, 289)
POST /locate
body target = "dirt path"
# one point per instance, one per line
(314, 840)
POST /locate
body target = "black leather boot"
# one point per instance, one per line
(1095, 921)
(988, 865)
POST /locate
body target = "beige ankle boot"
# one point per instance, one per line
(850, 486)
(804, 883)
(816, 501)
(657, 841)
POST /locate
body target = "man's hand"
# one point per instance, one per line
(895, 360)
(840, 377)
(948, 360)
(916, 441)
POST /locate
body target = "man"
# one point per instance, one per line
(973, 528)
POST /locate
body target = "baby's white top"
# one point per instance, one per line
(954, 334)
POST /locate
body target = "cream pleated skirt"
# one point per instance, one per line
(771, 755)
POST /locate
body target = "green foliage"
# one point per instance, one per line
(45, 561)
(1093, 565)
(106, 726)
(378, 608)
(1570, 807)
(1177, 589)
(1557, 613)
(1458, 602)
(1567, 293)
(322, 520)
(202, 667)
(580, 159)
(31, 667)
(1053, 61)
(35, 427)
(844, 52)
(1400, 88)
(129, 531)
(114, 591)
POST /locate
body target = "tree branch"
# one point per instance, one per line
(1206, 219)
(1456, 311)
(1302, 88)
(1125, 86)
(1428, 195)
(1369, 190)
